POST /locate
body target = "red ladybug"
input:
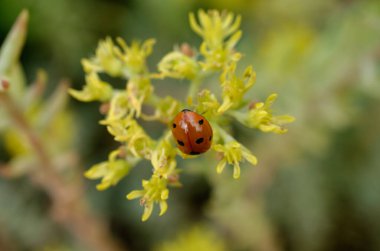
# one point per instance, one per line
(192, 132)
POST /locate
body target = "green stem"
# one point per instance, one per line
(194, 88)
(239, 116)
(225, 135)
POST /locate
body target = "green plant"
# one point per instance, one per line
(123, 106)
(37, 134)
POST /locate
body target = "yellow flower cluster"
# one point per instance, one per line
(164, 173)
(178, 65)
(111, 171)
(233, 87)
(261, 117)
(123, 106)
(233, 153)
(155, 190)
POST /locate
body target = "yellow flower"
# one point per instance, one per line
(215, 27)
(208, 104)
(155, 191)
(94, 90)
(261, 117)
(166, 109)
(233, 87)
(163, 159)
(119, 107)
(138, 90)
(107, 59)
(178, 65)
(111, 171)
(134, 56)
(129, 131)
(233, 153)
(90, 66)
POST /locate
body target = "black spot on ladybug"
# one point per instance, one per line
(199, 140)
(194, 153)
(210, 138)
(200, 122)
(180, 143)
(174, 125)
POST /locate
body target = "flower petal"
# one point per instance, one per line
(163, 207)
(103, 185)
(221, 165)
(236, 173)
(135, 194)
(165, 194)
(148, 209)
(250, 157)
(97, 171)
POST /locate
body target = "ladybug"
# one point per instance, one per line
(192, 132)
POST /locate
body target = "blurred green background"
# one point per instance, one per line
(315, 188)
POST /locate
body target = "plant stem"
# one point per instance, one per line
(193, 89)
(225, 135)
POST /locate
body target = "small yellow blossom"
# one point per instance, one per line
(166, 109)
(90, 66)
(234, 87)
(138, 90)
(129, 131)
(163, 159)
(107, 59)
(134, 56)
(215, 27)
(178, 65)
(111, 171)
(155, 191)
(217, 58)
(233, 153)
(119, 107)
(119, 60)
(208, 104)
(94, 90)
(260, 116)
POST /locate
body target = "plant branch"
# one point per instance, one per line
(68, 205)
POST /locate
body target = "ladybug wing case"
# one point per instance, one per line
(200, 135)
(192, 132)
(180, 135)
